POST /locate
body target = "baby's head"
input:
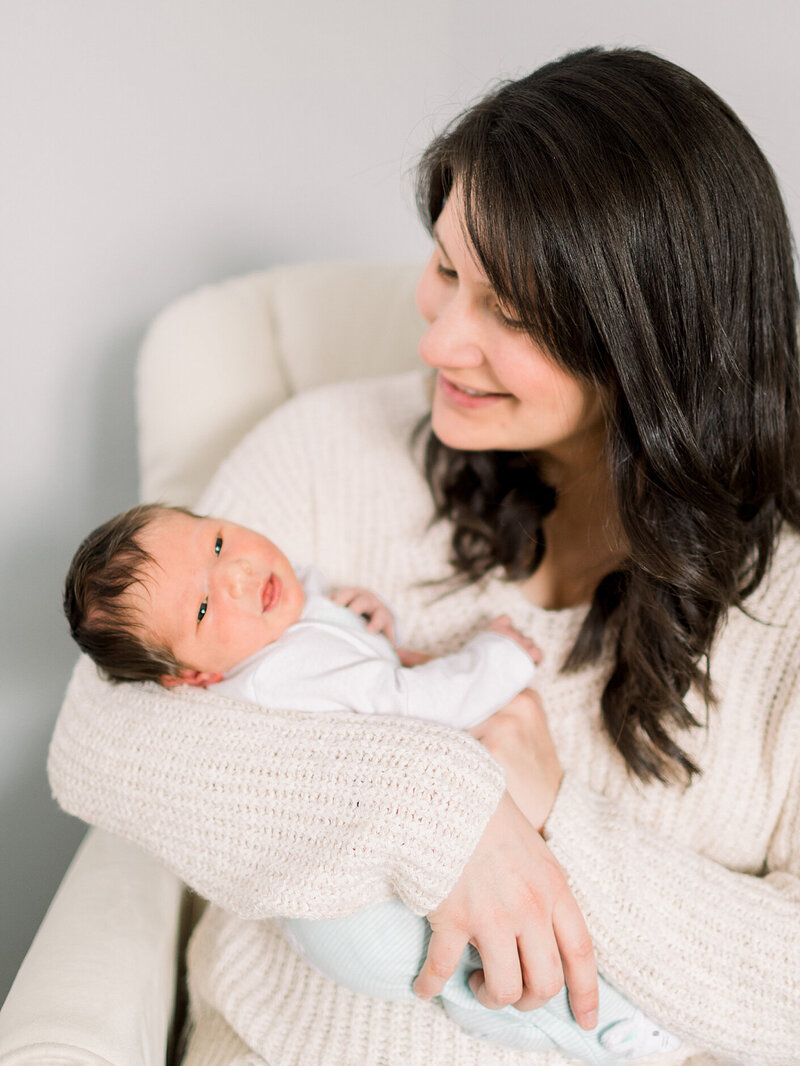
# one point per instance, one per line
(161, 594)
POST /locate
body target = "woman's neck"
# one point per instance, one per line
(583, 539)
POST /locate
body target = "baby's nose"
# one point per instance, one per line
(235, 577)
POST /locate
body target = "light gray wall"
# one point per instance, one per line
(152, 145)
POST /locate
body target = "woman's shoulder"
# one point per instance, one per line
(778, 595)
(767, 623)
(787, 549)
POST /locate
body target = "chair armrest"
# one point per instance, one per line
(97, 986)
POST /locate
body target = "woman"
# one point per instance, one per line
(613, 456)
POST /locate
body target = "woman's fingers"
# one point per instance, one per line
(445, 949)
(527, 973)
(577, 956)
(513, 902)
(542, 971)
(499, 983)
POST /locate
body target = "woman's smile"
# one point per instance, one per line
(464, 396)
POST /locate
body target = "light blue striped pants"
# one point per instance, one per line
(380, 951)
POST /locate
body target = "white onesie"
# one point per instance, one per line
(328, 661)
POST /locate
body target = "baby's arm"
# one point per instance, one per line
(380, 619)
(466, 687)
(502, 625)
(341, 668)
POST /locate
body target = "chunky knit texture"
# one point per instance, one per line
(692, 895)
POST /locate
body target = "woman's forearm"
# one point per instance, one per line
(275, 812)
(714, 955)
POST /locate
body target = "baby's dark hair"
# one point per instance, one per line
(102, 619)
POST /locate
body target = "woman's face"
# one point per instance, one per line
(495, 387)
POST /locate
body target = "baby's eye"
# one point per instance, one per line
(218, 546)
(202, 612)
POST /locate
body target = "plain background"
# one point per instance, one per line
(149, 146)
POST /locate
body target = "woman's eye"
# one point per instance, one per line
(202, 612)
(509, 321)
(446, 272)
(218, 546)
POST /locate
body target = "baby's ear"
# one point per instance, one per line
(199, 678)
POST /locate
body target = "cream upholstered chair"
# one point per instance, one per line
(98, 986)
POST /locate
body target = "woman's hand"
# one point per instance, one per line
(513, 903)
(518, 737)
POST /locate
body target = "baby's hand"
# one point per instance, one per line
(505, 628)
(366, 603)
(408, 657)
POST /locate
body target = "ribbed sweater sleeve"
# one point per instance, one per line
(278, 812)
(274, 812)
(713, 953)
(711, 950)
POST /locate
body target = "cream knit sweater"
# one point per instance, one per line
(692, 895)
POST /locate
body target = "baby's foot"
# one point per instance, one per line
(636, 1036)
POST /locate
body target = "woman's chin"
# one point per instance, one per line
(461, 440)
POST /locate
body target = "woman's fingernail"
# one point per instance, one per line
(591, 1019)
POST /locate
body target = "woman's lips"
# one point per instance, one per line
(459, 396)
(271, 593)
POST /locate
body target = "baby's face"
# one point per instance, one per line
(216, 593)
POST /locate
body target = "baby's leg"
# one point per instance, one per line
(377, 952)
(380, 951)
(622, 1032)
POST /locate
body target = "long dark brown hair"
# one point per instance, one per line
(625, 214)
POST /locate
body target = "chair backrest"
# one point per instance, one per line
(216, 361)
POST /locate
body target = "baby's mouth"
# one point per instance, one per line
(271, 592)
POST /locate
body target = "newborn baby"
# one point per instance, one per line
(166, 595)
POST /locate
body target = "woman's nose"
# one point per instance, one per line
(451, 341)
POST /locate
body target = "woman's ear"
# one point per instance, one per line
(199, 678)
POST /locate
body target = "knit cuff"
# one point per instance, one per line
(448, 824)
